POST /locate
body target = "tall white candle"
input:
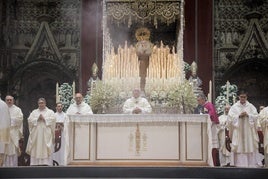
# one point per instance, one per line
(57, 92)
(234, 100)
(73, 89)
(210, 91)
(227, 92)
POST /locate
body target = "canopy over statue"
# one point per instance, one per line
(128, 63)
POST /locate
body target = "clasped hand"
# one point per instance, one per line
(41, 118)
(243, 114)
(136, 110)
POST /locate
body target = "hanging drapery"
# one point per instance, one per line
(143, 11)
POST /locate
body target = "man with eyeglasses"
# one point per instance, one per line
(243, 121)
(42, 123)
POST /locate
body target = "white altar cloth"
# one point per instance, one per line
(100, 129)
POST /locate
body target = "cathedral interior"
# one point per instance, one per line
(48, 41)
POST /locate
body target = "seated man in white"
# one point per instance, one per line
(137, 104)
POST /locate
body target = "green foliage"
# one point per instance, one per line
(103, 96)
(187, 67)
(182, 97)
(66, 95)
(221, 101)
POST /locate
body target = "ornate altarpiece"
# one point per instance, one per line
(144, 27)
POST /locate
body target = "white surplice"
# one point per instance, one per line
(61, 155)
(41, 138)
(224, 154)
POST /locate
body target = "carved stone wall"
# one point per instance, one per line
(240, 46)
(40, 45)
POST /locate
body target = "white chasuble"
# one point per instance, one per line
(41, 139)
(133, 103)
(12, 149)
(244, 135)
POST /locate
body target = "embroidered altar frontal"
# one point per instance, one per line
(153, 139)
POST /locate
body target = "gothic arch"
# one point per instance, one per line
(251, 75)
(36, 79)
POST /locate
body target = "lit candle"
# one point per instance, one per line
(234, 100)
(73, 89)
(210, 91)
(57, 92)
(227, 92)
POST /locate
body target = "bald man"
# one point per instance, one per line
(136, 104)
(79, 107)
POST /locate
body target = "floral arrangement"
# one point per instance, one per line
(182, 96)
(158, 97)
(228, 95)
(66, 95)
(177, 96)
(102, 97)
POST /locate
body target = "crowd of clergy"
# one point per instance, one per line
(239, 136)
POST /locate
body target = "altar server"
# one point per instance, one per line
(61, 142)
(224, 140)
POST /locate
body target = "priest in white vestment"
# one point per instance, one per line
(60, 155)
(42, 133)
(4, 129)
(79, 107)
(224, 154)
(12, 149)
(263, 119)
(243, 121)
(137, 104)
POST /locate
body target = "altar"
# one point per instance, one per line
(144, 139)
